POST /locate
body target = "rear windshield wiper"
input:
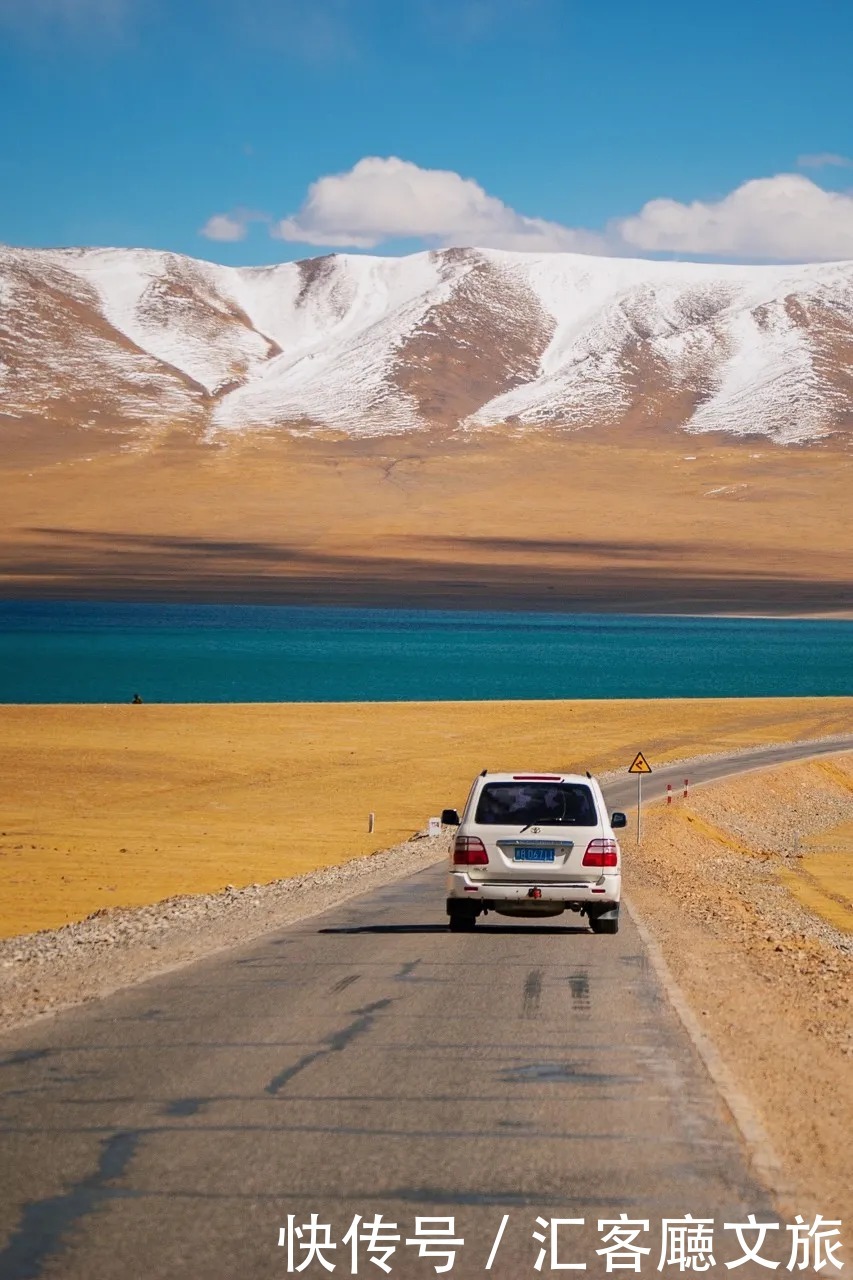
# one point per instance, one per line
(544, 822)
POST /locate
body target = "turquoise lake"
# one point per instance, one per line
(63, 652)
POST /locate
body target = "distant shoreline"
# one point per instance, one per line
(341, 595)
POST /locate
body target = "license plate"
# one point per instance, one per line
(534, 855)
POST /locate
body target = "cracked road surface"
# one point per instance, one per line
(366, 1061)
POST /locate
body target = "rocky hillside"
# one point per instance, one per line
(138, 339)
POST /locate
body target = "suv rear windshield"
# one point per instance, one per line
(565, 804)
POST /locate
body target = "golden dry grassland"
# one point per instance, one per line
(823, 882)
(657, 521)
(120, 805)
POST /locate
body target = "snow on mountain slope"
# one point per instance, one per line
(726, 342)
(459, 336)
(182, 311)
(339, 324)
(388, 344)
(61, 360)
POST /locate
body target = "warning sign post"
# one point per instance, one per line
(639, 766)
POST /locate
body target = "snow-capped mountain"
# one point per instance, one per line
(455, 337)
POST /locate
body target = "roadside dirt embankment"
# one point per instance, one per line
(746, 887)
(114, 947)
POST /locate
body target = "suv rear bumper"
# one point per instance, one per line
(607, 889)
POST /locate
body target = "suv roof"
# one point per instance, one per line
(535, 777)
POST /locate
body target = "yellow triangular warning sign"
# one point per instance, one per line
(640, 765)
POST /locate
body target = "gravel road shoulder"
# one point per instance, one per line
(771, 982)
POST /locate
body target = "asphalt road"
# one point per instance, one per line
(367, 1062)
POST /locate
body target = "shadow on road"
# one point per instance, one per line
(442, 928)
(386, 928)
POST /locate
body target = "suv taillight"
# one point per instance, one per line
(469, 851)
(601, 853)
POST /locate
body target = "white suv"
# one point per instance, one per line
(535, 844)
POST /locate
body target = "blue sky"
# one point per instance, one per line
(720, 130)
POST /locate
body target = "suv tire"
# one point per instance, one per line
(604, 926)
(462, 917)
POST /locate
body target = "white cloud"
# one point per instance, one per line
(383, 199)
(784, 218)
(787, 217)
(223, 227)
(822, 159)
(230, 227)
